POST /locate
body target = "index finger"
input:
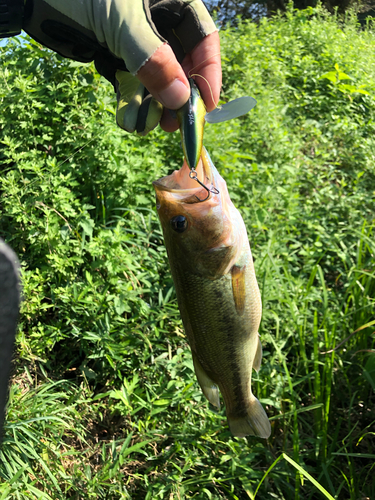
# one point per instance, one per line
(204, 60)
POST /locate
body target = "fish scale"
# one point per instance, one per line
(211, 314)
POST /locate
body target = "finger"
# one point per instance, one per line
(165, 79)
(168, 122)
(205, 61)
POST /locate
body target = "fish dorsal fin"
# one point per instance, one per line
(258, 356)
(208, 386)
(238, 286)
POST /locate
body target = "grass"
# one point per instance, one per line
(104, 401)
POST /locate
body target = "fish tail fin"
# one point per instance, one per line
(255, 423)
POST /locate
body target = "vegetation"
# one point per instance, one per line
(228, 10)
(104, 403)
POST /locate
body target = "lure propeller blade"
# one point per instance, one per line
(232, 109)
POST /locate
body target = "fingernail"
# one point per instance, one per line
(174, 96)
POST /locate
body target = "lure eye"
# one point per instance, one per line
(179, 223)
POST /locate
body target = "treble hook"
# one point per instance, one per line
(193, 175)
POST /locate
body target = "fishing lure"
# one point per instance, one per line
(193, 115)
(191, 119)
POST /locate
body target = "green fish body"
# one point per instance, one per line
(217, 292)
(191, 119)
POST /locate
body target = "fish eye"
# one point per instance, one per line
(179, 223)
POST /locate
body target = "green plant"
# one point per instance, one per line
(110, 407)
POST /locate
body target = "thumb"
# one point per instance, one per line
(165, 79)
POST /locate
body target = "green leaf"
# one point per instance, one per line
(161, 402)
(88, 226)
(331, 76)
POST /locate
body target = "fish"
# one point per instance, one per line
(217, 291)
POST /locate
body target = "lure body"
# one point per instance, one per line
(191, 119)
(217, 292)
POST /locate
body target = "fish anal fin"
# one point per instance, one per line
(238, 286)
(258, 356)
(208, 386)
(255, 423)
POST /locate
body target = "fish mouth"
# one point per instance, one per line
(186, 189)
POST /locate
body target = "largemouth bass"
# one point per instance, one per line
(217, 291)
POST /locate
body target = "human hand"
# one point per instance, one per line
(132, 35)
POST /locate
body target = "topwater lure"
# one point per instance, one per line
(193, 115)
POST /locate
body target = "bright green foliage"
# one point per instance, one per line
(105, 403)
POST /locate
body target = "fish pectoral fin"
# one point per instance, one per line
(258, 356)
(238, 287)
(255, 423)
(208, 386)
